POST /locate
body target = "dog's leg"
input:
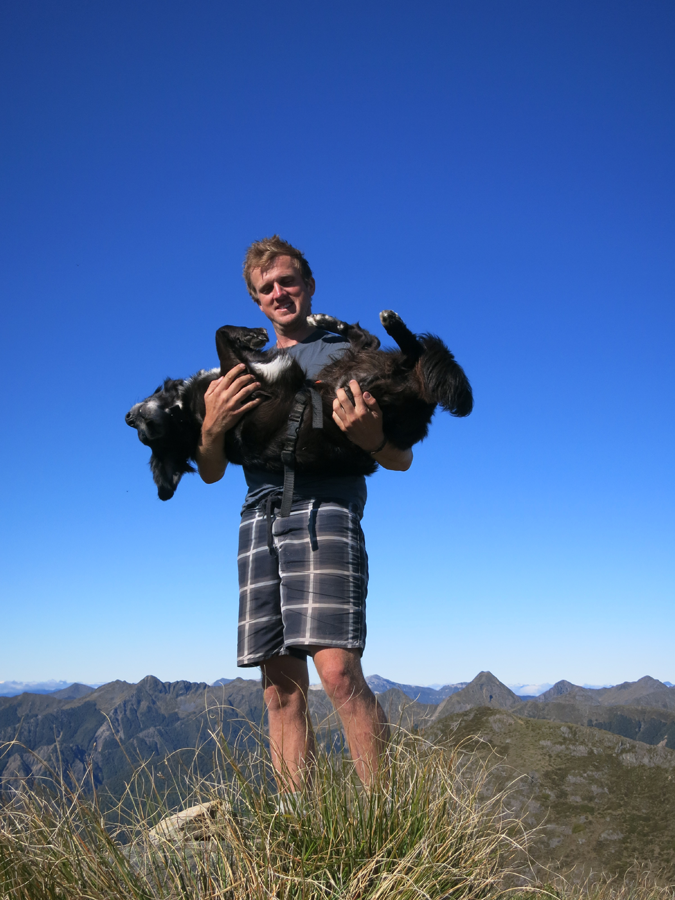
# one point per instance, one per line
(404, 337)
(358, 337)
(233, 343)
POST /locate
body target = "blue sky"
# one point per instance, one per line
(500, 173)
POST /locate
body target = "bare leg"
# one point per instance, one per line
(285, 686)
(363, 718)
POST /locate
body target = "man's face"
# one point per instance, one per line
(282, 293)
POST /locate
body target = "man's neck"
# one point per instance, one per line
(295, 336)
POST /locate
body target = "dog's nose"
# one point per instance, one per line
(130, 419)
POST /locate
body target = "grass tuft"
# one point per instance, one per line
(422, 832)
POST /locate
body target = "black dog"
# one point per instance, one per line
(408, 383)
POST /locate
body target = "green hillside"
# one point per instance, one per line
(639, 723)
(601, 801)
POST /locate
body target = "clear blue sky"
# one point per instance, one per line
(498, 172)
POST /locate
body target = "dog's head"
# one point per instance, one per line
(153, 417)
(163, 426)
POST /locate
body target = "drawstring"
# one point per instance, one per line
(311, 525)
(269, 519)
(267, 507)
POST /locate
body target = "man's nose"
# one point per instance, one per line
(278, 290)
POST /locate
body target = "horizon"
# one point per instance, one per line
(498, 174)
(519, 688)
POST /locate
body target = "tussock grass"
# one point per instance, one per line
(424, 831)
(420, 833)
(639, 883)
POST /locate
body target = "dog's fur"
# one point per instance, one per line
(407, 383)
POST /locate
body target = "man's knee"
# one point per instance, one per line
(285, 684)
(278, 699)
(341, 674)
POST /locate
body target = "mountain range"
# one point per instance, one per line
(594, 768)
(433, 693)
(12, 688)
(379, 685)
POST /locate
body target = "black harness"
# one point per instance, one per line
(306, 394)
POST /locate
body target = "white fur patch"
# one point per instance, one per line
(273, 370)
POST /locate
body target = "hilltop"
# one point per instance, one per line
(600, 801)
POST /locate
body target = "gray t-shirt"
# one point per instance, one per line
(315, 352)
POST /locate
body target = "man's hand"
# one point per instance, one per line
(226, 400)
(361, 421)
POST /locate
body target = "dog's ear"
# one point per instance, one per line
(167, 473)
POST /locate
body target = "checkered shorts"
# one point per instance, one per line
(310, 591)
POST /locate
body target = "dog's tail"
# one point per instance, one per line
(444, 378)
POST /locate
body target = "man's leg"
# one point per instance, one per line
(285, 686)
(362, 716)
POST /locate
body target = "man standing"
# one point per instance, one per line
(304, 595)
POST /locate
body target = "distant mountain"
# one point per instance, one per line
(111, 730)
(73, 691)
(484, 690)
(222, 681)
(600, 801)
(646, 691)
(417, 692)
(529, 690)
(13, 688)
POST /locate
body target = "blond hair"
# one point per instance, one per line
(261, 253)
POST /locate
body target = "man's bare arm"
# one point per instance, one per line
(226, 402)
(392, 458)
(361, 421)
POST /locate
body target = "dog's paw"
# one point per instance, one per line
(253, 339)
(321, 320)
(330, 323)
(390, 319)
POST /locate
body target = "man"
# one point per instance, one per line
(307, 598)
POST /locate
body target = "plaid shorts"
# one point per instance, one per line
(310, 591)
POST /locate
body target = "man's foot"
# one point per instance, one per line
(292, 803)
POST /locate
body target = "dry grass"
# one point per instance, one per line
(422, 834)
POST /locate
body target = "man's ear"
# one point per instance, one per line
(311, 286)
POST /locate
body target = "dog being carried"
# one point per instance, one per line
(408, 383)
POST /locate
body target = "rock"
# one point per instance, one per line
(197, 823)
